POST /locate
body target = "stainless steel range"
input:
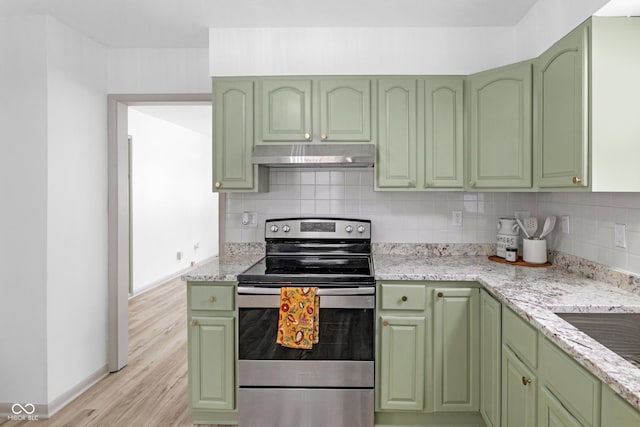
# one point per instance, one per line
(332, 383)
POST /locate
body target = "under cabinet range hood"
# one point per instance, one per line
(314, 155)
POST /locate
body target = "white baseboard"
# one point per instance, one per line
(44, 411)
(173, 276)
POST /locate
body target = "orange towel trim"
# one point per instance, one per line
(298, 318)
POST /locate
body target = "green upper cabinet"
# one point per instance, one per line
(456, 343)
(345, 110)
(286, 110)
(490, 358)
(328, 109)
(397, 161)
(233, 135)
(500, 151)
(442, 125)
(562, 136)
(587, 132)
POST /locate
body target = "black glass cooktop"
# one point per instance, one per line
(309, 269)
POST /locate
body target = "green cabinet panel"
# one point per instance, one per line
(443, 133)
(562, 137)
(518, 392)
(233, 135)
(396, 165)
(211, 362)
(616, 412)
(500, 150)
(456, 355)
(401, 359)
(490, 359)
(286, 110)
(552, 413)
(570, 383)
(345, 109)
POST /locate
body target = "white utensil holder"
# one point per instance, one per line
(534, 251)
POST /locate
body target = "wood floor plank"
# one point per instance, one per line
(152, 390)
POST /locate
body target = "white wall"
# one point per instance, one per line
(23, 213)
(173, 205)
(76, 208)
(158, 71)
(326, 51)
(548, 21)
(413, 217)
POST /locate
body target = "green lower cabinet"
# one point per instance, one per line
(518, 392)
(552, 413)
(456, 349)
(616, 412)
(490, 360)
(401, 359)
(211, 362)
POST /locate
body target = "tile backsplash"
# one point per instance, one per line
(425, 217)
(592, 217)
(397, 216)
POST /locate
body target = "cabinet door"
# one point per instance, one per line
(233, 135)
(443, 136)
(397, 144)
(518, 392)
(402, 349)
(286, 110)
(345, 110)
(562, 135)
(211, 362)
(456, 355)
(617, 412)
(500, 154)
(552, 413)
(490, 359)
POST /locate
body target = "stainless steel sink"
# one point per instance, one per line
(619, 332)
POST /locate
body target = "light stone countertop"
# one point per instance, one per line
(221, 269)
(535, 294)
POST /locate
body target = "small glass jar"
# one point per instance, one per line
(511, 254)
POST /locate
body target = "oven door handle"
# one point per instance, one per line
(256, 290)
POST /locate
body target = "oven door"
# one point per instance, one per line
(343, 357)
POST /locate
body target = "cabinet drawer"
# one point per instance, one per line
(577, 389)
(396, 296)
(211, 297)
(520, 336)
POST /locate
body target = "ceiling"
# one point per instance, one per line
(185, 23)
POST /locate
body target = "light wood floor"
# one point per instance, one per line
(152, 389)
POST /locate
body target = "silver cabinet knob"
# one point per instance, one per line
(274, 228)
(348, 229)
(218, 184)
(361, 229)
(323, 136)
(286, 228)
(307, 136)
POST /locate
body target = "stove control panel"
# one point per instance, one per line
(317, 228)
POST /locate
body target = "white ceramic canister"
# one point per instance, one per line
(534, 251)
(508, 226)
(505, 241)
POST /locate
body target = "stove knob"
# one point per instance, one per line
(286, 228)
(274, 228)
(361, 229)
(348, 229)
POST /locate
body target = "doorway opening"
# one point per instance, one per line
(160, 198)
